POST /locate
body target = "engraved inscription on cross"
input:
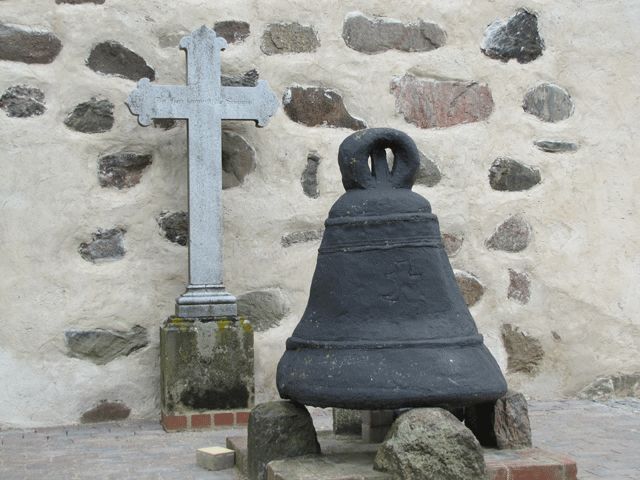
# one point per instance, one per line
(204, 103)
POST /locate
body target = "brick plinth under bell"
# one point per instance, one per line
(207, 376)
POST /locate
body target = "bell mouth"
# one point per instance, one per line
(353, 377)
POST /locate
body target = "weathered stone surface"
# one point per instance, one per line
(316, 106)
(164, 123)
(519, 287)
(470, 287)
(553, 146)
(289, 38)
(113, 58)
(376, 424)
(452, 243)
(512, 235)
(29, 45)
(215, 458)
(430, 443)
(378, 34)
(105, 245)
(206, 365)
(429, 174)
(301, 237)
(106, 412)
(122, 169)
(347, 421)
(548, 102)
(620, 385)
(309, 178)
(524, 352)
(23, 101)
(238, 159)
(233, 31)
(247, 79)
(507, 174)
(102, 345)
(175, 227)
(517, 38)
(278, 430)
(433, 103)
(94, 116)
(503, 424)
(77, 2)
(265, 309)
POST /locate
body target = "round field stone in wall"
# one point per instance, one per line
(94, 116)
(434, 103)
(100, 345)
(428, 174)
(122, 170)
(548, 102)
(516, 38)
(302, 236)
(247, 79)
(113, 58)
(106, 411)
(289, 38)
(175, 227)
(470, 287)
(28, 45)
(519, 287)
(238, 159)
(318, 107)
(553, 146)
(378, 34)
(452, 243)
(105, 245)
(309, 178)
(233, 31)
(513, 235)
(23, 101)
(524, 352)
(510, 175)
(265, 309)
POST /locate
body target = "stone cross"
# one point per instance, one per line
(204, 103)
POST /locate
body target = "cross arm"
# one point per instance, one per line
(158, 101)
(257, 103)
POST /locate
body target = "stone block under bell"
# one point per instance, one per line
(385, 326)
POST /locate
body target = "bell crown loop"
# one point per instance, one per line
(356, 149)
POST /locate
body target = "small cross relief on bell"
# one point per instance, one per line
(386, 325)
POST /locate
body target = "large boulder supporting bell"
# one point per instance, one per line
(385, 326)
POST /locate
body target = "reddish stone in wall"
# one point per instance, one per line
(431, 103)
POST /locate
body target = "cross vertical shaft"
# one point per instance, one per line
(204, 103)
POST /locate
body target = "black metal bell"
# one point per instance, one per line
(386, 325)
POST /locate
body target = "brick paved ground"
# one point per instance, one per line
(603, 438)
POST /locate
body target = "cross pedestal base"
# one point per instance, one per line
(207, 376)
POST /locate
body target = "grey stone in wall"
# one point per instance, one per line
(608, 387)
(435, 103)
(247, 79)
(113, 58)
(106, 411)
(524, 352)
(430, 443)
(301, 237)
(470, 287)
(105, 245)
(238, 159)
(519, 287)
(517, 38)
(122, 170)
(29, 45)
(23, 101)
(233, 31)
(309, 178)
(553, 146)
(264, 309)
(289, 38)
(94, 116)
(512, 235)
(347, 421)
(452, 243)
(164, 123)
(317, 106)
(378, 34)
(548, 102)
(175, 227)
(103, 345)
(428, 174)
(507, 174)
